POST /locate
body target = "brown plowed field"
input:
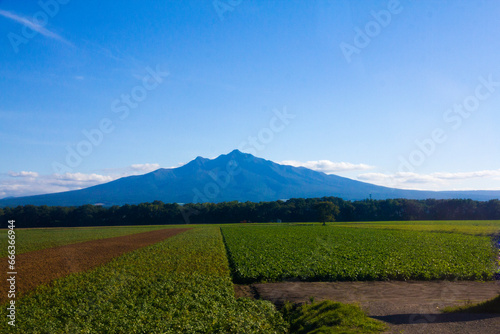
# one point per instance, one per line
(43, 266)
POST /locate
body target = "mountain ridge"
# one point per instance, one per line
(234, 176)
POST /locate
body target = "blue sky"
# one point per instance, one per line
(397, 93)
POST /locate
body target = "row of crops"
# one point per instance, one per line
(473, 227)
(180, 285)
(333, 253)
(34, 239)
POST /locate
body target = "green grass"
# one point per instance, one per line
(28, 240)
(330, 317)
(334, 253)
(489, 306)
(474, 227)
(180, 285)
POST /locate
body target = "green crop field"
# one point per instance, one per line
(474, 227)
(183, 284)
(337, 253)
(180, 285)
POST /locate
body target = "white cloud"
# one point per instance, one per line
(432, 181)
(468, 175)
(80, 177)
(31, 183)
(27, 183)
(33, 25)
(23, 174)
(28, 189)
(328, 167)
(180, 164)
(145, 167)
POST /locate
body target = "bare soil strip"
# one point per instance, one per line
(408, 307)
(43, 266)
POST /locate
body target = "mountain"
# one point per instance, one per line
(234, 176)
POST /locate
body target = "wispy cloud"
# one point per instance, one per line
(23, 174)
(145, 167)
(125, 63)
(80, 178)
(28, 183)
(468, 175)
(31, 183)
(328, 167)
(430, 181)
(34, 26)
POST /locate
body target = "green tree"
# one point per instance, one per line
(327, 211)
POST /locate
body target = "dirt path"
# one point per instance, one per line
(408, 307)
(42, 266)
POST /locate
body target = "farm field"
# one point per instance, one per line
(180, 285)
(39, 238)
(43, 266)
(337, 253)
(474, 227)
(184, 284)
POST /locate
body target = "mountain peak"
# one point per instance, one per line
(198, 161)
(236, 153)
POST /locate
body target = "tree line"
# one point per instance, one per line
(293, 210)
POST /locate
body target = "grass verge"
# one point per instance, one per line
(329, 317)
(489, 306)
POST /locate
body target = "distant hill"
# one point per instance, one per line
(234, 176)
